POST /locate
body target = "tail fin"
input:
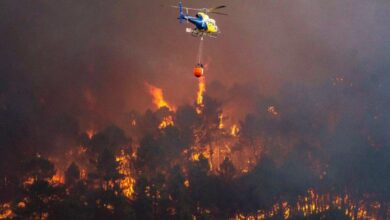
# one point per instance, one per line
(181, 14)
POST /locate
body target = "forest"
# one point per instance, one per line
(283, 162)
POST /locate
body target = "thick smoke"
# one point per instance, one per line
(70, 66)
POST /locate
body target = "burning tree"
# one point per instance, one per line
(193, 162)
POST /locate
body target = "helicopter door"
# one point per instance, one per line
(211, 26)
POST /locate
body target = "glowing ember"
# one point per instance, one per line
(21, 204)
(272, 110)
(83, 174)
(158, 97)
(29, 181)
(109, 207)
(187, 183)
(82, 150)
(5, 211)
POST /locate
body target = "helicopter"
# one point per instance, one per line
(204, 25)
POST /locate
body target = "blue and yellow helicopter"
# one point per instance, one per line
(204, 25)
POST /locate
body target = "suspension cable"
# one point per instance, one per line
(200, 50)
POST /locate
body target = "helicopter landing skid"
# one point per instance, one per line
(197, 33)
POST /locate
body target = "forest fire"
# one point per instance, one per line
(200, 93)
(158, 97)
(58, 178)
(127, 182)
(196, 157)
(167, 121)
(234, 130)
(314, 204)
(101, 117)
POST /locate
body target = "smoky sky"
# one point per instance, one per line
(70, 65)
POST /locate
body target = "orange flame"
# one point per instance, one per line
(58, 178)
(220, 125)
(6, 211)
(201, 91)
(127, 182)
(167, 121)
(29, 181)
(234, 130)
(90, 133)
(158, 97)
(83, 174)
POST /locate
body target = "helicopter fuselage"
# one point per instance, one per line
(202, 22)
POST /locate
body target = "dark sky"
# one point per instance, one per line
(88, 60)
(114, 46)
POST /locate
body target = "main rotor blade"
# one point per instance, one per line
(216, 8)
(206, 10)
(218, 13)
(185, 8)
